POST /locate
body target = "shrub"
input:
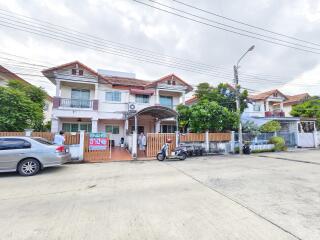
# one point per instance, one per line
(272, 126)
(279, 143)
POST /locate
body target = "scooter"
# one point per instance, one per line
(179, 152)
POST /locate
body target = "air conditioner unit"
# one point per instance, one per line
(131, 107)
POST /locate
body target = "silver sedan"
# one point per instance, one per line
(28, 155)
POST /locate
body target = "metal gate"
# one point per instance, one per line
(306, 140)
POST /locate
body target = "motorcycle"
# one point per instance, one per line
(179, 153)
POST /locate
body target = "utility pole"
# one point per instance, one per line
(237, 87)
(236, 81)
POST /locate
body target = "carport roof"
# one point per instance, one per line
(159, 112)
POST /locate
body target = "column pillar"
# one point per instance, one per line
(157, 128)
(94, 123)
(134, 138)
(232, 142)
(96, 93)
(183, 98)
(207, 142)
(55, 125)
(81, 145)
(58, 86)
(157, 97)
(315, 136)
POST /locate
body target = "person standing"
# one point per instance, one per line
(59, 138)
(142, 142)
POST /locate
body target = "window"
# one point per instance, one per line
(113, 96)
(43, 141)
(80, 98)
(257, 107)
(168, 128)
(114, 129)
(80, 72)
(166, 101)
(169, 82)
(173, 82)
(75, 127)
(275, 94)
(140, 129)
(142, 98)
(13, 143)
(46, 106)
(74, 71)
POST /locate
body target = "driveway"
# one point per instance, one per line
(224, 197)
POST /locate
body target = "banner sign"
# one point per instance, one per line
(98, 141)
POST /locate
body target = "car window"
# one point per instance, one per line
(13, 143)
(43, 141)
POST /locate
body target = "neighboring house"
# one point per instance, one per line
(6, 75)
(103, 101)
(294, 100)
(274, 105)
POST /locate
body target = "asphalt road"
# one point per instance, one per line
(225, 197)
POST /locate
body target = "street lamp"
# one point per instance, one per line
(236, 80)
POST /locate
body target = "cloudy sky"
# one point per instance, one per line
(127, 22)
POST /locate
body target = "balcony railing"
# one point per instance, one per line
(75, 103)
(274, 114)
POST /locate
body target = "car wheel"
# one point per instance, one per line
(28, 167)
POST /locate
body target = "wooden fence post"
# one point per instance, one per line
(81, 145)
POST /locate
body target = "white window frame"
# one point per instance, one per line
(257, 105)
(112, 97)
(112, 126)
(79, 123)
(142, 95)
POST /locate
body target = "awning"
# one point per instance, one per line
(142, 91)
(159, 112)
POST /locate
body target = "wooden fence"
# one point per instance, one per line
(156, 140)
(219, 137)
(192, 137)
(70, 138)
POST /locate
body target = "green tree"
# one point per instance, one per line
(271, 126)
(223, 94)
(35, 94)
(18, 111)
(310, 108)
(208, 115)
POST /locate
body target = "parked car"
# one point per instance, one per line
(28, 155)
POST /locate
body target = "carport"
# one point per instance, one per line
(157, 113)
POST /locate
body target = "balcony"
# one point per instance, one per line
(274, 114)
(75, 103)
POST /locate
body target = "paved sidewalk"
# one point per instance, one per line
(125, 200)
(304, 155)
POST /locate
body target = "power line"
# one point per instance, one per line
(25, 66)
(224, 29)
(232, 27)
(168, 59)
(245, 24)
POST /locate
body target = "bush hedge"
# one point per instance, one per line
(279, 143)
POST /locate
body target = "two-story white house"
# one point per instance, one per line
(104, 101)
